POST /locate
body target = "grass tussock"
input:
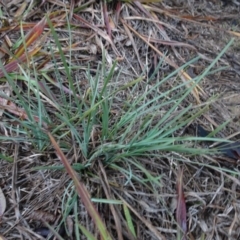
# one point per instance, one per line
(99, 107)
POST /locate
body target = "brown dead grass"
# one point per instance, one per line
(182, 30)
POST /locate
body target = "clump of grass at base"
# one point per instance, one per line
(104, 125)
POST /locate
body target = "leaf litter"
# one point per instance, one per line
(176, 32)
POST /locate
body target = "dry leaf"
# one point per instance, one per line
(111, 23)
(43, 216)
(93, 49)
(70, 226)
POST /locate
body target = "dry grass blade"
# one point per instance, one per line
(169, 43)
(181, 212)
(106, 20)
(14, 64)
(193, 19)
(114, 213)
(133, 44)
(158, 235)
(2, 203)
(71, 10)
(12, 108)
(24, 26)
(31, 37)
(237, 34)
(184, 76)
(96, 106)
(118, 10)
(150, 1)
(82, 192)
(21, 10)
(14, 185)
(100, 32)
(58, 85)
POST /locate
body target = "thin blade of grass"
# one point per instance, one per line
(82, 192)
(31, 37)
(181, 212)
(86, 232)
(106, 19)
(134, 45)
(14, 64)
(145, 221)
(129, 220)
(107, 191)
(55, 233)
(184, 76)
(99, 32)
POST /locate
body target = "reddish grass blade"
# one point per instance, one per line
(14, 64)
(12, 108)
(181, 212)
(106, 20)
(31, 37)
(82, 192)
(118, 10)
(25, 26)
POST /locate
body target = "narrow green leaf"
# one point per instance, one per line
(86, 232)
(129, 220)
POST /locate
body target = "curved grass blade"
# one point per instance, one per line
(129, 220)
(82, 192)
(86, 232)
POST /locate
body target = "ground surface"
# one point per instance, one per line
(180, 30)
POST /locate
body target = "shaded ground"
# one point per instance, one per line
(181, 30)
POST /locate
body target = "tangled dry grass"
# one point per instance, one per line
(137, 35)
